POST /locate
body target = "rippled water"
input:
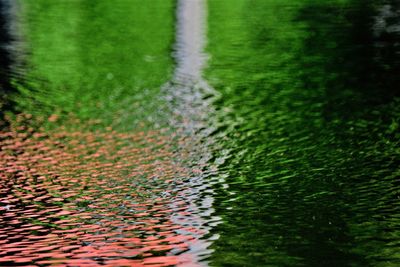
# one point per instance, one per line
(120, 147)
(309, 112)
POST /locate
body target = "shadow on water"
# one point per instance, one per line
(363, 59)
(309, 110)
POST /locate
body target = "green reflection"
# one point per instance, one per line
(95, 59)
(308, 101)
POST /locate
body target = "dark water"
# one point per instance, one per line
(309, 111)
(285, 154)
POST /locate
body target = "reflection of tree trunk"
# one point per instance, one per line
(5, 58)
(388, 20)
(387, 40)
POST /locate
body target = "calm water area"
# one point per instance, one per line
(200, 133)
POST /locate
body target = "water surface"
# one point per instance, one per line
(309, 112)
(163, 133)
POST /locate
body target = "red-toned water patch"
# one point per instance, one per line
(91, 198)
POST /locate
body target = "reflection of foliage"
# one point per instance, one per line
(95, 60)
(313, 120)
